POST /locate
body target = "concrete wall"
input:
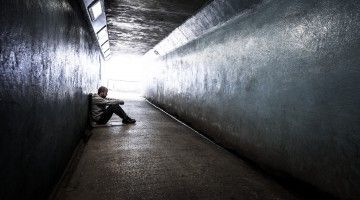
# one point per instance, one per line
(48, 62)
(279, 83)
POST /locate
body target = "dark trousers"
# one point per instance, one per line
(104, 118)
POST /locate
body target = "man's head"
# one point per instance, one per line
(102, 91)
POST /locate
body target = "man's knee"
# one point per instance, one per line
(113, 106)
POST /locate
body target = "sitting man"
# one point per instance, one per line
(102, 108)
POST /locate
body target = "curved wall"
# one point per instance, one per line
(279, 83)
(48, 64)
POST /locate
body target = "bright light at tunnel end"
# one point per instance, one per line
(123, 75)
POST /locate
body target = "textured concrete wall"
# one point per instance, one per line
(280, 84)
(48, 62)
(215, 14)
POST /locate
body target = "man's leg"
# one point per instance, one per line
(114, 109)
(104, 118)
(121, 113)
(118, 111)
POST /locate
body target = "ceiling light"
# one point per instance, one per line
(105, 46)
(102, 35)
(95, 10)
(107, 53)
(108, 57)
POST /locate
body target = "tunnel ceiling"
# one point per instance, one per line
(135, 26)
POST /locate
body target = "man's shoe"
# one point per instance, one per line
(128, 120)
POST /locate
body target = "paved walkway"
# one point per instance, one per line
(159, 158)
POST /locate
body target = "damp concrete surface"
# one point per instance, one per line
(160, 158)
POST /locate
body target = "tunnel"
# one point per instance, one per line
(233, 99)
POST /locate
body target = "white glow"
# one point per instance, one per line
(95, 10)
(123, 75)
(105, 46)
(102, 35)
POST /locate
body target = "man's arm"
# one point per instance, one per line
(115, 101)
(97, 100)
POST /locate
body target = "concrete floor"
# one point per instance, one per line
(159, 158)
